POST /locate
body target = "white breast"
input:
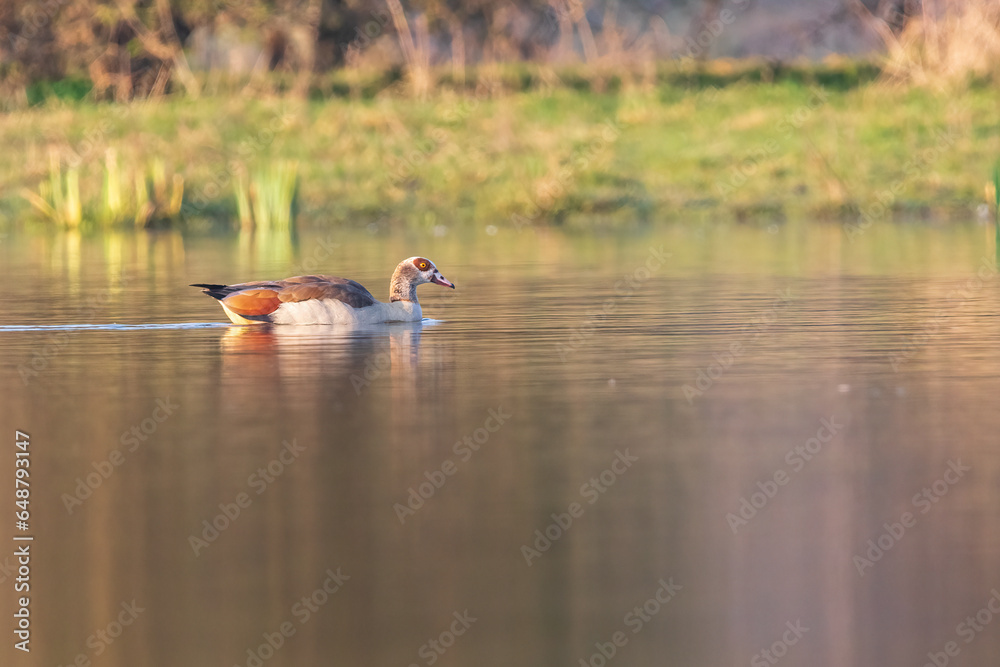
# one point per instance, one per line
(331, 311)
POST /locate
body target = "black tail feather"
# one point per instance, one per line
(217, 291)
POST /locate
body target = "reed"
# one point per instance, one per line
(58, 198)
(158, 199)
(114, 206)
(143, 196)
(268, 198)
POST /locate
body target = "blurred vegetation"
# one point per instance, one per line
(741, 140)
(126, 49)
(152, 113)
(58, 196)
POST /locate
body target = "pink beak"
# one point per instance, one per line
(438, 279)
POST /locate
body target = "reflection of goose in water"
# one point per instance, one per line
(327, 299)
(355, 354)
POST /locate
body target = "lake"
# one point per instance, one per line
(701, 443)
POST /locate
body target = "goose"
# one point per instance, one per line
(327, 299)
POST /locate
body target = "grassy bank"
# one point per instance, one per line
(548, 154)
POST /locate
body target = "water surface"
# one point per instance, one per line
(575, 433)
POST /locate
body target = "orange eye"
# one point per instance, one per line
(422, 266)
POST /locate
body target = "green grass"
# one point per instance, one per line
(673, 148)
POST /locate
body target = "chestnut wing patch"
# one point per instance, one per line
(253, 302)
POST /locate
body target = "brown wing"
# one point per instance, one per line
(303, 288)
(264, 297)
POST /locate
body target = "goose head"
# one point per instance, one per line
(411, 272)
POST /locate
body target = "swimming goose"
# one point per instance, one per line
(326, 299)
